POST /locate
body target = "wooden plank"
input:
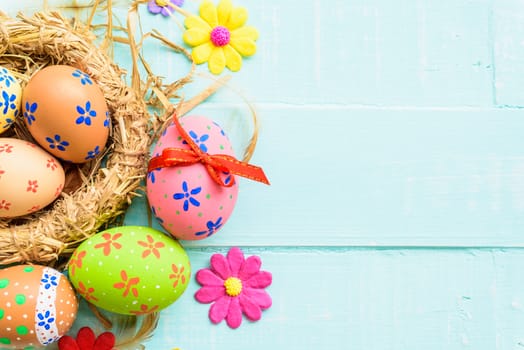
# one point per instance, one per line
(352, 52)
(371, 176)
(366, 299)
(508, 51)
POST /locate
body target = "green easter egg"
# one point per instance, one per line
(131, 270)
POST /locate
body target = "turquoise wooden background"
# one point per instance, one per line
(392, 133)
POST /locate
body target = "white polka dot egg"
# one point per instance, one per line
(37, 306)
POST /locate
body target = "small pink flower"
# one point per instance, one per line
(51, 163)
(235, 286)
(32, 186)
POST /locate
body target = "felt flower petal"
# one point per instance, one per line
(250, 267)
(244, 46)
(224, 11)
(202, 52)
(208, 12)
(166, 11)
(259, 280)
(85, 338)
(235, 257)
(233, 58)
(105, 341)
(219, 310)
(153, 7)
(217, 60)
(208, 294)
(250, 308)
(234, 316)
(259, 296)
(196, 22)
(237, 18)
(195, 36)
(245, 32)
(67, 343)
(220, 265)
(206, 277)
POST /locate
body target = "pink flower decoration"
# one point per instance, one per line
(235, 286)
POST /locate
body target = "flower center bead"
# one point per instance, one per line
(233, 286)
(220, 36)
(161, 3)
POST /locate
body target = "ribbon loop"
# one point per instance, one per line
(215, 164)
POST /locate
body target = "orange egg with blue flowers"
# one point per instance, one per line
(65, 111)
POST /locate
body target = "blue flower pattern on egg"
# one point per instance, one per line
(188, 196)
(84, 78)
(220, 128)
(199, 140)
(107, 121)
(228, 176)
(8, 102)
(49, 341)
(57, 142)
(9, 122)
(49, 281)
(151, 174)
(45, 320)
(29, 114)
(6, 77)
(92, 154)
(86, 113)
(212, 227)
(153, 210)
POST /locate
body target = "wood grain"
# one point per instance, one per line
(372, 176)
(392, 135)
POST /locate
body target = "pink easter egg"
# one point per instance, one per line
(187, 202)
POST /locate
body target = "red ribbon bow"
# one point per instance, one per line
(215, 164)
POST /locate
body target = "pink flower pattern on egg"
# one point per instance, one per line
(185, 200)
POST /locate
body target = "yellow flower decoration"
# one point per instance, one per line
(218, 36)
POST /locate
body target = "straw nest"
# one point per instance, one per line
(95, 194)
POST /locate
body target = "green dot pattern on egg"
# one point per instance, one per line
(4, 283)
(22, 330)
(5, 341)
(20, 299)
(129, 269)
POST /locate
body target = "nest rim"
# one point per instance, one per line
(27, 45)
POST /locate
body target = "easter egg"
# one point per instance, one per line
(30, 178)
(66, 113)
(10, 98)
(131, 270)
(187, 202)
(37, 306)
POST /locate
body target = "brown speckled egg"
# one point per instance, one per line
(37, 306)
(66, 113)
